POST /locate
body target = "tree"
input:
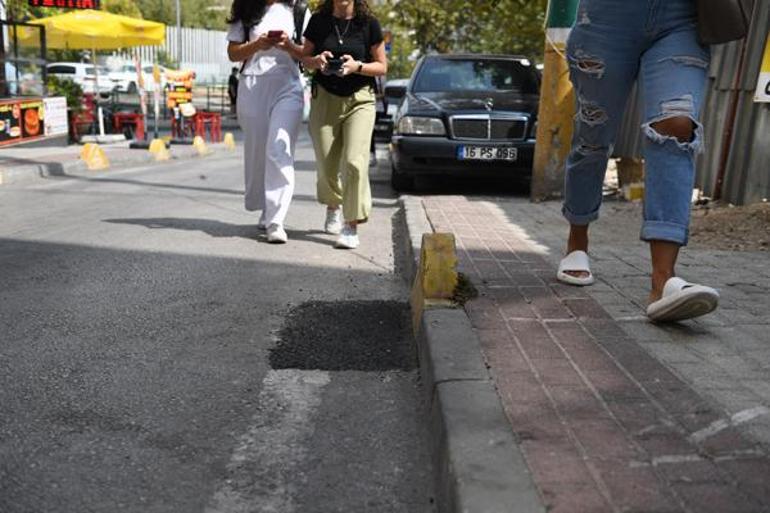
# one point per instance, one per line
(488, 26)
(123, 7)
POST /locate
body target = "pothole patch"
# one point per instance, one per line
(345, 335)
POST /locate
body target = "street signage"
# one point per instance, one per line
(763, 84)
(66, 4)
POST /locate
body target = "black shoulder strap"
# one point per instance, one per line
(300, 8)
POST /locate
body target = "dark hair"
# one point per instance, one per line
(250, 12)
(362, 10)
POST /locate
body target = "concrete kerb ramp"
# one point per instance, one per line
(477, 462)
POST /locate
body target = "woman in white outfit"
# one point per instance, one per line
(270, 103)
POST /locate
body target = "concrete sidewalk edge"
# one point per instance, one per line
(478, 465)
(26, 173)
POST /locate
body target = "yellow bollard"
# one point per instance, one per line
(94, 157)
(159, 150)
(200, 145)
(229, 141)
(437, 277)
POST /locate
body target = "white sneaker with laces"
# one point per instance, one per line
(333, 222)
(348, 238)
(276, 234)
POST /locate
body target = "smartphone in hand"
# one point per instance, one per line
(274, 34)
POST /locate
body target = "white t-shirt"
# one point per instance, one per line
(278, 16)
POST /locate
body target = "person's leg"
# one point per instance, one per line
(356, 135)
(673, 79)
(603, 51)
(252, 118)
(285, 118)
(325, 129)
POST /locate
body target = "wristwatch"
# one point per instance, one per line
(360, 67)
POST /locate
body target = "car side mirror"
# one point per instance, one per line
(395, 92)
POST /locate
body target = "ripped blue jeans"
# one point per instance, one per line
(612, 44)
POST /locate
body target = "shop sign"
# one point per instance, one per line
(21, 120)
(66, 4)
(55, 109)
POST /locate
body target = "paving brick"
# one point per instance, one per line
(636, 489)
(577, 402)
(568, 292)
(500, 351)
(556, 371)
(662, 441)
(715, 498)
(637, 415)
(536, 343)
(586, 308)
(573, 498)
(512, 303)
(603, 438)
(701, 471)
(614, 386)
(485, 315)
(727, 442)
(553, 462)
(546, 303)
(751, 475)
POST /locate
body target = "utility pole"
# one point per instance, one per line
(178, 34)
(557, 104)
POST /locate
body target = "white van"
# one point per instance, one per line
(82, 74)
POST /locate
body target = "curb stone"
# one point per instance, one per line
(29, 172)
(478, 465)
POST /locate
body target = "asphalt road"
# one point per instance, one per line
(156, 355)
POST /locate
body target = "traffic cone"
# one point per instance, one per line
(159, 150)
(200, 145)
(94, 157)
(229, 141)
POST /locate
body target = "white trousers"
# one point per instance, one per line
(270, 113)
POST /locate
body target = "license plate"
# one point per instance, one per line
(487, 153)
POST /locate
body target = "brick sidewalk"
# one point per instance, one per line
(604, 425)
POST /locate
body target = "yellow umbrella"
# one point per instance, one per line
(94, 30)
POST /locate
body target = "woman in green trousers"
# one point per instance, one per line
(344, 44)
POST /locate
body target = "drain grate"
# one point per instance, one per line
(346, 335)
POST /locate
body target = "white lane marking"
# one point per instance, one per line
(261, 473)
(720, 425)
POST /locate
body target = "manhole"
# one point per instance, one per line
(345, 335)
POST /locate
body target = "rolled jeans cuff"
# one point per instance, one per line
(661, 230)
(579, 219)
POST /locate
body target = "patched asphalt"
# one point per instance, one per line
(346, 335)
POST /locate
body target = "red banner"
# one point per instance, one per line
(66, 4)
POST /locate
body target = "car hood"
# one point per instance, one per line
(457, 101)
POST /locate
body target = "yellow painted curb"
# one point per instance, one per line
(94, 157)
(159, 150)
(200, 145)
(436, 279)
(229, 141)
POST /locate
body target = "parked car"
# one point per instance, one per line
(125, 79)
(467, 115)
(392, 95)
(83, 74)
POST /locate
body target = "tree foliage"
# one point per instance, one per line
(475, 26)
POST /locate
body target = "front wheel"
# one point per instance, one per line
(401, 182)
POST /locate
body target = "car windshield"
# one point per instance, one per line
(445, 75)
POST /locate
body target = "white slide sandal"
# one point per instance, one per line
(682, 300)
(577, 261)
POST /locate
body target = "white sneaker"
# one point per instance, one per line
(333, 222)
(276, 234)
(348, 238)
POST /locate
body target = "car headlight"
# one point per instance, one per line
(416, 125)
